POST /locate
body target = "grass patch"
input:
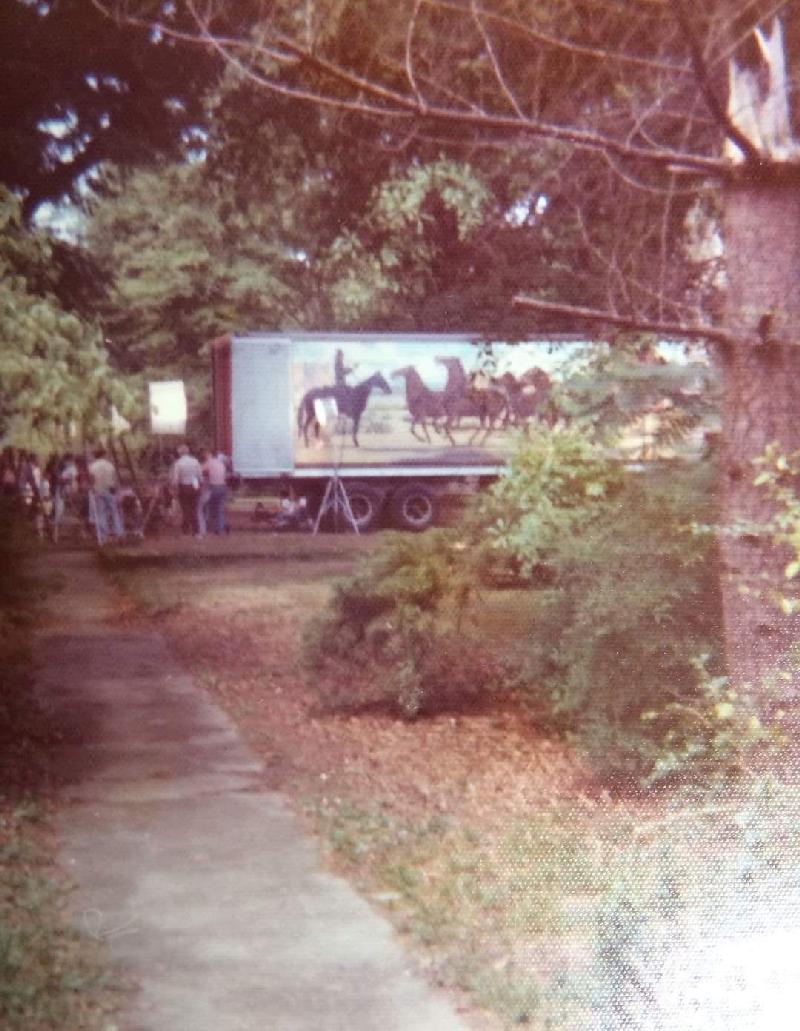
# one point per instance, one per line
(245, 572)
(51, 978)
(577, 918)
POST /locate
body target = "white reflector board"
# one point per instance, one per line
(326, 412)
(167, 407)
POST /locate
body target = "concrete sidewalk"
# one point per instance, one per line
(201, 882)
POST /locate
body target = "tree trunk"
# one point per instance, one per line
(761, 405)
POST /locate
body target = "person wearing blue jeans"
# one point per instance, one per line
(108, 519)
(215, 481)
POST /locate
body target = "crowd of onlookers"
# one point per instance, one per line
(40, 491)
(89, 486)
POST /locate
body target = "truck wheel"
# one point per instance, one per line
(413, 507)
(366, 504)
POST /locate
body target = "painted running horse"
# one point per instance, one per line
(350, 401)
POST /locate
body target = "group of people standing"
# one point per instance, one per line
(201, 486)
(43, 493)
(90, 486)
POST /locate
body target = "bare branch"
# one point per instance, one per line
(412, 22)
(365, 87)
(638, 184)
(579, 49)
(727, 52)
(676, 329)
(513, 124)
(224, 45)
(498, 74)
(372, 99)
(440, 88)
(718, 112)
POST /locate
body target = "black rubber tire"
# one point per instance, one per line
(413, 507)
(366, 504)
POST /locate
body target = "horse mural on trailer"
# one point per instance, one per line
(463, 398)
(502, 402)
(423, 404)
(528, 397)
(350, 401)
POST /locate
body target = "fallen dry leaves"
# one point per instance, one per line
(472, 773)
(478, 767)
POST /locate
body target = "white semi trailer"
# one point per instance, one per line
(397, 419)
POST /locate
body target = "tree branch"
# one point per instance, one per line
(771, 12)
(373, 99)
(579, 49)
(678, 329)
(719, 114)
(498, 74)
(412, 79)
(481, 119)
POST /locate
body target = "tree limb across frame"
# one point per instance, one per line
(702, 74)
(372, 98)
(677, 329)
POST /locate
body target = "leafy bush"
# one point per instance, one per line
(625, 600)
(715, 732)
(559, 482)
(633, 597)
(779, 476)
(398, 618)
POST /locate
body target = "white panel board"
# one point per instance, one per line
(167, 407)
(261, 403)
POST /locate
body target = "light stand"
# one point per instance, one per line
(335, 498)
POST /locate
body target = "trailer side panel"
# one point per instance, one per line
(384, 405)
(261, 406)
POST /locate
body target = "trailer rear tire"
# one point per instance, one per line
(413, 507)
(366, 504)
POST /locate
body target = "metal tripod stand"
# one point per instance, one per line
(335, 500)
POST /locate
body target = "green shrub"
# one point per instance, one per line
(397, 620)
(625, 598)
(630, 599)
(716, 732)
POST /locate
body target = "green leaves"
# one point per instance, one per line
(400, 201)
(715, 732)
(559, 482)
(187, 264)
(626, 594)
(399, 615)
(53, 365)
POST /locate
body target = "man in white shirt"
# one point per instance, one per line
(103, 477)
(186, 476)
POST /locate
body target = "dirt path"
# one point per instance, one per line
(198, 878)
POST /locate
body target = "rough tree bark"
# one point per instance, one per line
(761, 373)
